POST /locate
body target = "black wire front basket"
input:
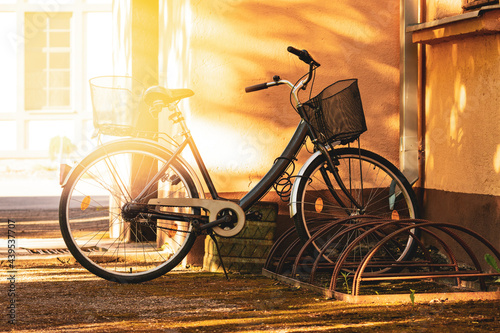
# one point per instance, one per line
(115, 102)
(336, 113)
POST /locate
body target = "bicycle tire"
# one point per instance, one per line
(385, 194)
(93, 225)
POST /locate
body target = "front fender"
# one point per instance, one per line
(294, 200)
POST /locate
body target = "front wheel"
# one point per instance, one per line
(371, 185)
(106, 239)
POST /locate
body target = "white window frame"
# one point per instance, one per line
(80, 111)
(47, 108)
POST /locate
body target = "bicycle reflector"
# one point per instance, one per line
(85, 203)
(318, 205)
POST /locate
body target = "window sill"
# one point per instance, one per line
(480, 22)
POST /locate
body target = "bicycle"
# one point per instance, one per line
(131, 210)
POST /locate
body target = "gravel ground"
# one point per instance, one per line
(61, 298)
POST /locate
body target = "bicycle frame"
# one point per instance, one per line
(260, 189)
(281, 164)
(132, 209)
(264, 185)
(278, 168)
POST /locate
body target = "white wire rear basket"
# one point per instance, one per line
(115, 102)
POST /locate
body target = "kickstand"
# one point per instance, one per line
(218, 252)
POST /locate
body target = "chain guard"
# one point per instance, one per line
(214, 207)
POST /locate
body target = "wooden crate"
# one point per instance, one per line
(247, 251)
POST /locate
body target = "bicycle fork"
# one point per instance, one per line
(332, 167)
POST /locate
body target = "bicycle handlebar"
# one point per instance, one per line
(305, 57)
(277, 81)
(256, 87)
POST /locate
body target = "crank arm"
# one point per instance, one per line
(224, 219)
(189, 218)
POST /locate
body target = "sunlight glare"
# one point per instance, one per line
(8, 138)
(41, 131)
(8, 62)
(496, 160)
(225, 148)
(462, 98)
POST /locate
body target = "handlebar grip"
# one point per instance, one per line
(256, 87)
(295, 51)
(303, 55)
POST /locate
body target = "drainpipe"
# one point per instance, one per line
(409, 103)
(421, 106)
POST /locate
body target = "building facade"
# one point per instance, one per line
(460, 113)
(427, 69)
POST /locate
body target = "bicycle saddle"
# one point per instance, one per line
(167, 96)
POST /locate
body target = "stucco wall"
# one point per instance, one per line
(462, 121)
(438, 9)
(216, 48)
(462, 116)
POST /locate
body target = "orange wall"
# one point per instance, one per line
(462, 107)
(438, 9)
(463, 119)
(216, 48)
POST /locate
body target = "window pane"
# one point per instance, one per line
(59, 79)
(61, 21)
(59, 97)
(59, 60)
(35, 85)
(8, 63)
(37, 62)
(47, 60)
(59, 39)
(35, 99)
(40, 132)
(35, 25)
(8, 137)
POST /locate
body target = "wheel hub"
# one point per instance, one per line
(131, 210)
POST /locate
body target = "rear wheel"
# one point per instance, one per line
(104, 233)
(377, 186)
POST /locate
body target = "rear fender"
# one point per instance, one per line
(167, 150)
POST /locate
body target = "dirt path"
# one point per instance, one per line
(62, 299)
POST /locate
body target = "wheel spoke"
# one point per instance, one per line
(370, 180)
(125, 247)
